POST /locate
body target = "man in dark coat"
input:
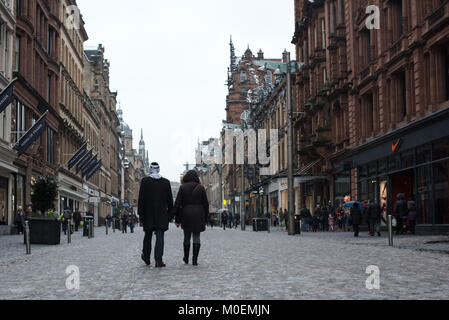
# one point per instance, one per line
(374, 217)
(191, 211)
(224, 219)
(154, 210)
(77, 219)
(306, 217)
(400, 213)
(356, 216)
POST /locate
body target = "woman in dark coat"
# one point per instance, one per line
(191, 211)
(125, 222)
(356, 215)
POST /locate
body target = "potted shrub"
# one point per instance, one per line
(45, 227)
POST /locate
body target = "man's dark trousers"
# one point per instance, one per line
(158, 248)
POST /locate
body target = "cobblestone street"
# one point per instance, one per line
(233, 265)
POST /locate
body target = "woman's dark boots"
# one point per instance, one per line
(186, 253)
(196, 251)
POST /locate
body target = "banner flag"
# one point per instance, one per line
(93, 170)
(78, 156)
(87, 167)
(6, 96)
(85, 160)
(31, 136)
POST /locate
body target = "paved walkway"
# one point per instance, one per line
(233, 265)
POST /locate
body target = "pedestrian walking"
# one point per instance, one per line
(400, 213)
(155, 211)
(191, 211)
(109, 220)
(230, 219)
(224, 219)
(77, 219)
(315, 223)
(125, 220)
(374, 217)
(331, 222)
(20, 220)
(340, 218)
(132, 222)
(212, 221)
(412, 213)
(286, 218)
(325, 218)
(356, 216)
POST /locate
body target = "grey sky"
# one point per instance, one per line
(169, 61)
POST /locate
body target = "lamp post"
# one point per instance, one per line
(291, 222)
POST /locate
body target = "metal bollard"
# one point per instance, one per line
(93, 229)
(89, 228)
(106, 228)
(69, 231)
(113, 225)
(390, 230)
(27, 238)
(268, 224)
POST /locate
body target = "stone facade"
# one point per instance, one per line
(37, 68)
(364, 90)
(8, 170)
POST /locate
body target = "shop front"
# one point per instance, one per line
(91, 201)
(413, 161)
(71, 193)
(7, 182)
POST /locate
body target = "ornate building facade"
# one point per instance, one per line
(37, 68)
(376, 104)
(8, 171)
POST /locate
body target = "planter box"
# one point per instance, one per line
(44, 231)
(260, 224)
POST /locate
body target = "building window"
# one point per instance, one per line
(49, 88)
(50, 41)
(17, 53)
(50, 146)
(20, 121)
(332, 16)
(445, 70)
(19, 7)
(403, 93)
(323, 33)
(269, 77)
(243, 76)
(341, 12)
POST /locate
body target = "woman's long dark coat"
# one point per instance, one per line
(191, 206)
(356, 215)
(155, 204)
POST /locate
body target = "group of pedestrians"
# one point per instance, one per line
(323, 218)
(156, 209)
(230, 220)
(129, 219)
(405, 213)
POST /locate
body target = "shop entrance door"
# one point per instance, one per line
(402, 182)
(4, 201)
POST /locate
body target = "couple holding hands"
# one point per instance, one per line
(156, 210)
